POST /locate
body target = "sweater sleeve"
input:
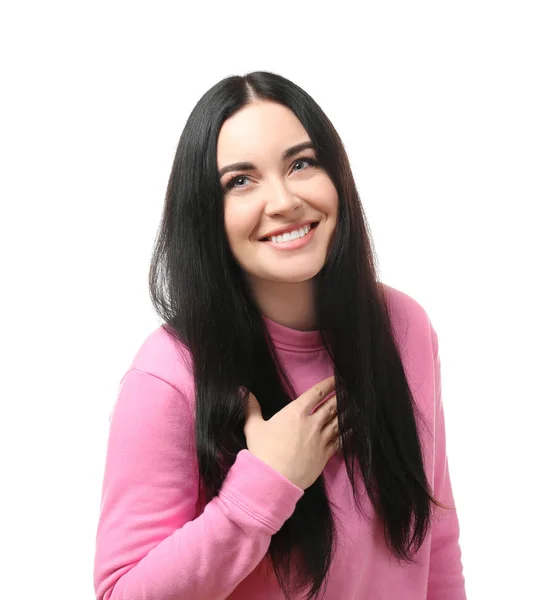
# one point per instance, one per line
(446, 580)
(149, 545)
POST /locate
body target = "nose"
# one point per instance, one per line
(281, 200)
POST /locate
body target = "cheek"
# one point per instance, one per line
(239, 220)
(328, 199)
(229, 223)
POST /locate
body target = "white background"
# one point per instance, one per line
(447, 113)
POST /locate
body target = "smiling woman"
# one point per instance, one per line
(281, 434)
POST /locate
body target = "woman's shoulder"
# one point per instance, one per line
(403, 305)
(409, 319)
(166, 358)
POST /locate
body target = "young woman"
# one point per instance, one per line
(281, 434)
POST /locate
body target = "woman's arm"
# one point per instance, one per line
(149, 543)
(446, 580)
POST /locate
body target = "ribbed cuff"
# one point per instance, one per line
(260, 490)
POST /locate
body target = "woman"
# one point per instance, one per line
(282, 433)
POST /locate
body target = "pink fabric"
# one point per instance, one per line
(155, 543)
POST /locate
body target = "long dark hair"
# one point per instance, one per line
(199, 291)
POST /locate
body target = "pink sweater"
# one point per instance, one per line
(152, 543)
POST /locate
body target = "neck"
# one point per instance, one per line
(289, 304)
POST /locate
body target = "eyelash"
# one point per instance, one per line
(231, 183)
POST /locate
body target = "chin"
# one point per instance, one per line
(294, 276)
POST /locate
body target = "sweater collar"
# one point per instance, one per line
(288, 338)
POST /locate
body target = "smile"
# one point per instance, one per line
(293, 239)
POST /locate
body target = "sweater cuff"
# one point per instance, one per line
(260, 490)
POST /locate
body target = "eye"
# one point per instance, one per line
(231, 183)
(310, 161)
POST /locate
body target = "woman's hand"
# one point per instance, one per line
(295, 442)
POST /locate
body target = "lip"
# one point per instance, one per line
(288, 229)
(293, 244)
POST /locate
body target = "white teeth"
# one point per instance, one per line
(291, 235)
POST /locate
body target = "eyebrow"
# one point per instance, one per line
(247, 166)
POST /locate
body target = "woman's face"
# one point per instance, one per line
(280, 189)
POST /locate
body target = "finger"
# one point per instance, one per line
(326, 408)
(331, 430)
(334, 439)
(253, 412)
(318, 394)
(327, 411)
(334, 446)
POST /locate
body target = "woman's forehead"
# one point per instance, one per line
(259, 129)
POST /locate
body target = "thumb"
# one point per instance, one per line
(253, 412)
